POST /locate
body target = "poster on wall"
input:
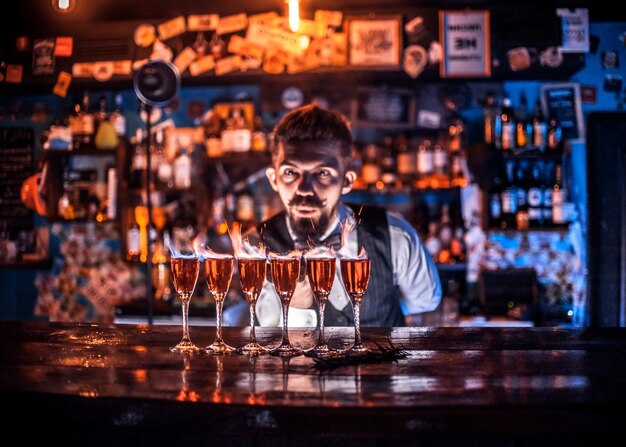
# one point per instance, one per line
(561, 100)
(375, 42)
(466, 42)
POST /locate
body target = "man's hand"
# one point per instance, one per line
(302, 296)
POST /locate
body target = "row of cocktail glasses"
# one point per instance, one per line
(285, 273)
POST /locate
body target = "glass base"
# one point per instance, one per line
(253, 349)
(185, 347)
(286, 351)
(219, 347)
(357, 350)
(322, 351)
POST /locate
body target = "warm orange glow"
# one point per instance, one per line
(294, 15)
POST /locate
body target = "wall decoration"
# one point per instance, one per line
(562, 101)
(375, 41)
(466, 41)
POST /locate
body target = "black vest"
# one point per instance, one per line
(381, 304)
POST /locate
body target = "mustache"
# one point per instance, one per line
(306, 201)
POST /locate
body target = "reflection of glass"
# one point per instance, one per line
(218, 270)
(185, 275)
(185, 394)
(355, 273)
(285, 271)
(252, 275)
(321, 274)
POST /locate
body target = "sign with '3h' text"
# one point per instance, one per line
(466, 42)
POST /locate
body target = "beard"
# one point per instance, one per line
(308, 229)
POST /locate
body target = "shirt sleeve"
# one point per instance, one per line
(414, 271)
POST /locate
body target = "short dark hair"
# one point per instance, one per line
(312, 123)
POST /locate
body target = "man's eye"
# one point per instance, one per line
(323, 174)
(289, 173)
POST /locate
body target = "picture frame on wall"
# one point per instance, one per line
(465, 37)
(374, 41)
(562, 100)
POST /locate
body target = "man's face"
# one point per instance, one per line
(310, 179)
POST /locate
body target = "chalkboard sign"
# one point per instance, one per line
(16, 164)
(384, 108)
(562, 101)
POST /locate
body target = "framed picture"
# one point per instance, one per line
(374, 41)
(466, 42)
(383, 108)
(562, 101)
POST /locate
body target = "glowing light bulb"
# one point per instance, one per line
(294, 15)
(63, 4)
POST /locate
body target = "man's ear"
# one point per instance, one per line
(348, 182)
(271, 176)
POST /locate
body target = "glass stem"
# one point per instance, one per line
(252, 331)
(219, 304)
(184, 299)
(322, 338)
(285, 326)
(357, 323)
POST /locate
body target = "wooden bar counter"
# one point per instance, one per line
(90, 384)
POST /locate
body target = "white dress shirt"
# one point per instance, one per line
(414, 272)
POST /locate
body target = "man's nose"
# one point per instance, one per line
(305, 187)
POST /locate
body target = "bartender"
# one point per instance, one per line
(311, 169)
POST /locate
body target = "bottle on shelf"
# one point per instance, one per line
(507, 117)
(555, 134)
(389, 176)
(548, 176)
(432, 242)
(259, 137)
(111, 199)
(371, 170)
(65, 207)
(491, 121)
(559, 194)
(182, 169)
(523, 127)
(540, 128)
(522, 185)
(82, 124)
(133, 238)
(425, 164)
(138, 162)
(106, 135)
(160, 269)
(536, 196)
(440, 177)
(244, 209)
(117, 117)
(445, 235)
(495, 203)
(406, 158)
(509, 198)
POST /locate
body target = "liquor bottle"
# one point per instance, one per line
(495, 203)
(523, 127)
(558, 196)
(111, 193)
(133, 238)
(548, 176)
(406, 158)
(105, 135)
(259, 137)
(182, 170)
(138, 162)
(459, 178)
(241, 134)
(370, 173)
(509, 198)
(160, 269)
(554, 134)
(535, 196)
(540, 128)
(522, 184)
(490, 120)
(82, 124)
(507, 117)
(163, 166)
(425, 164)
(65, 207)
(117, 117)
(440, 177)
(457, 245)
(389, 175)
